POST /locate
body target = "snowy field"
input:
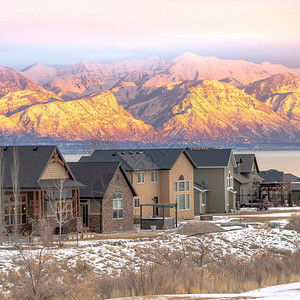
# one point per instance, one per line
(111, 256)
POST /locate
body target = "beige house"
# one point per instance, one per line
(213, 180)
(158, 176)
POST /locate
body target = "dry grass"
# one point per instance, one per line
(294, 223)
(256, 219)
(187, 270)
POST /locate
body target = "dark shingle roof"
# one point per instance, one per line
(32, 160)
(209, 157)
(96, 176)
(247, 161)
(140, 159)
(271, 175)
(241, 179)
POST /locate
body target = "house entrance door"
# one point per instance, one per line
(84, 215)
(155, 200)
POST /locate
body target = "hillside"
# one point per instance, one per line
(215, 110)
(96, 117)
(281, 91)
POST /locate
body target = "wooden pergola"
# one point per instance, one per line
(161, 205)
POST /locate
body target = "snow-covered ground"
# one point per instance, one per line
(110, 256)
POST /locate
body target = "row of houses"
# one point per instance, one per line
(107, 189)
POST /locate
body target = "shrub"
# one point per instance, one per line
(294, 223)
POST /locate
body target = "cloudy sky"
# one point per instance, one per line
(61, 32)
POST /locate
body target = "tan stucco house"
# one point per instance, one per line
(213, 179)
(157, 175)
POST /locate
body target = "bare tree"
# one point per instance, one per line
(60, 200)
(15, 185)
(2, 166)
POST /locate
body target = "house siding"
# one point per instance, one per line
(146, 191)
(214, 180)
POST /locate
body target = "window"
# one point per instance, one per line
(117, 206)
(141, 177)
(175, 198)
(137, 202)
(154, 176)
(187, 201)
(65, 209)
(187, 186)
(9, 210)
(181, 187)
(175, 186)
(203, 200)
(229, 180)
(181, 201)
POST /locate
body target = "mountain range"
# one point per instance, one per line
(189, 99)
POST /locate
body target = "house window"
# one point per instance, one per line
(181, 187)
(187, 201)
(175, 186)
(175, 198)
(141, 177)
(65, 209)
(181, 201)
(154, 176)
(117, 206)
(137, 202)
(229, 180)
(203, 200)
(187, 186)
(9, 210)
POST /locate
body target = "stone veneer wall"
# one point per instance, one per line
(117, 185)
(52, 224)
(94, 222)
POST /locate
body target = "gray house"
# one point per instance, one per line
(246, 179)
(295, 192)
(213, 179)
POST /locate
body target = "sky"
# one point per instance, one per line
(64, 32)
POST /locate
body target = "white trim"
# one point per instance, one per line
(201, 191)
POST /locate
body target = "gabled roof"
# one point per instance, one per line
(272, 175)
(97, 177)
(200, 188)
(138, 159)
(246, 162)
(210, 158)
(32, 162)
(241, 179)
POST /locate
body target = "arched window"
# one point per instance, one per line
(229, 180)
(181, 177)
(117, 206)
